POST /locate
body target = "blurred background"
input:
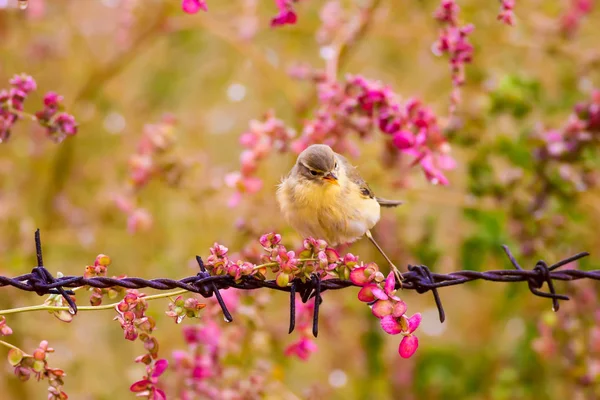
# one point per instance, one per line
(127, 68)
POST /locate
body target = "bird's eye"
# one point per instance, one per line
(313, 173)
(335, 165)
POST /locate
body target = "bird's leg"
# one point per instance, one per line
(397, 272)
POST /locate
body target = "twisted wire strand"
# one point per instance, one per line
(418, 278)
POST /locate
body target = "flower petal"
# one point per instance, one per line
(408, 346)
(159, 395)
(390, 325)
(379, 293)
(193, 6)
(358, 277)
(403, 140)
(382, 308)
(414, 322)
(159, 367)
(390, 283)
(399, 309)
(139, 386)
(366, 293)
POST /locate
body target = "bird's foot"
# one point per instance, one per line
(398, 274)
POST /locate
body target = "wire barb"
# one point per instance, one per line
(41, 276)
(292, 307)
(215, 290)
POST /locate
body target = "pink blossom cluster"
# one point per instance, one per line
(58, 123)
(386, 306)
(100, 268)
(150, 161)
(193, 6)
(156, 140)
(453, 40)
(203, 369)
(333, 18)
(356, 105)
(507, 15)
(5, 330)
(201, 362)
(180, 308)
(36, 365)
(285, 15)
(148, 385)
(572, 18)
(11, 102)
(360, 105)
(218, 263)
(582, 127)
(316, 258)
(261, 139)
(131, 314)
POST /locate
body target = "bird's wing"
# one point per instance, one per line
(365, 190)
(355, 177)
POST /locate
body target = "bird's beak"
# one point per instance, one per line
(331, 178)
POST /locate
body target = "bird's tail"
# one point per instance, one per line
(388, 203)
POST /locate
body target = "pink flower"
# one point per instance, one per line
(139, 220)
(287, 260)
(242, 184)
(66, 124)
(389, 289)
(408, 346)
(286, 13)
(403, 140)
(350, 260)
(302, 349)
(218, 250)
(284, 17)
(404, 325)
(23, 83)
(270, 240)
(384, 308)
(160, 366)
(5, 330)
(314, 245)
(193, 6)
(366, 293)
(52, 100)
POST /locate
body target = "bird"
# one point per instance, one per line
(323, 196)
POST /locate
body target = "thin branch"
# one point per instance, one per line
(45, 307)
(10, 346)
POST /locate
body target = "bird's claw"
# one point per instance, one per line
(398, 275)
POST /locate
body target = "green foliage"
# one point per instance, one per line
(516, 95)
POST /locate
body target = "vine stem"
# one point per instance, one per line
(2, 342)
(272, 264)
(85, 308)
(21, 114)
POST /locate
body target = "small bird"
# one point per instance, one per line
(324, 196)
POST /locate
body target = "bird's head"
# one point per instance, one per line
(318, 164)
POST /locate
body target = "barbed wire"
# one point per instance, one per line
(418, 278)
